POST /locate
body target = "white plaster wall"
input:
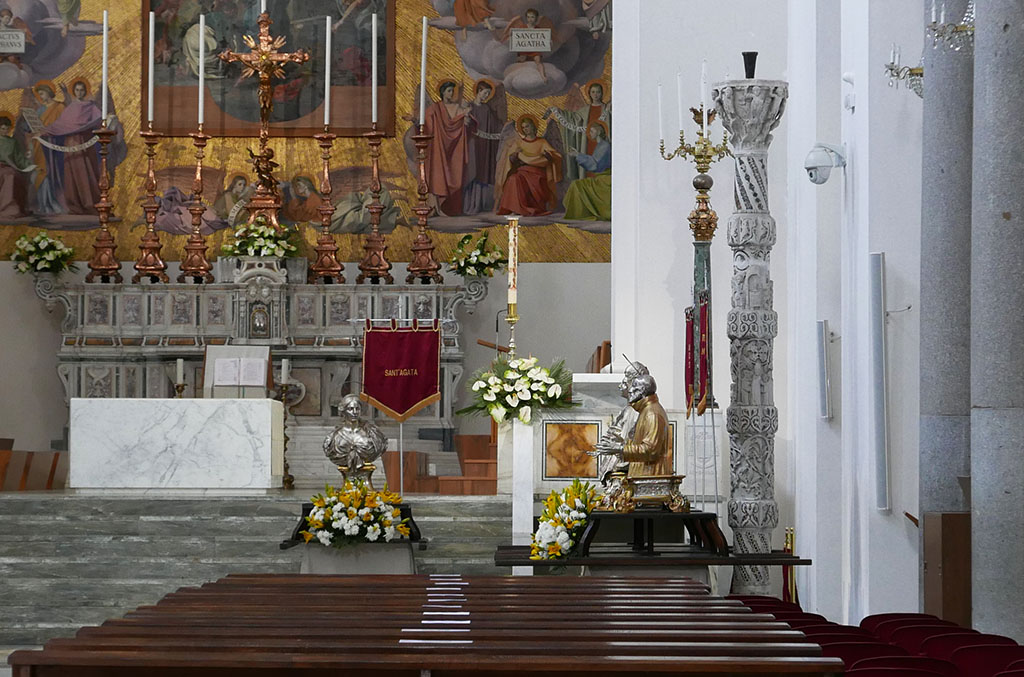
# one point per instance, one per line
(33, 410)
(652, 245)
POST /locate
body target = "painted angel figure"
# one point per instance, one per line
(575, 123)
(529, 171)
(489, 112)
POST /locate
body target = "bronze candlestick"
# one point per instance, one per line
(149, 263)
(424, 266)
(287, 480)
(326, 268)
(104, 262)
(375, 265)
(194, 264)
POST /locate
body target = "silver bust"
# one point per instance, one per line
(609, 448)
(355, 444)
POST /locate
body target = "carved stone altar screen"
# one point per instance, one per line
(750, 110)
(122, 340)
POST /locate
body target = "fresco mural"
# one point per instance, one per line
(518, 95)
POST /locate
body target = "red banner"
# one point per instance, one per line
(701, 386)
(401, 368)
(688, 361)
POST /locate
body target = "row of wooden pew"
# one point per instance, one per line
(31, 470)
(439, 625)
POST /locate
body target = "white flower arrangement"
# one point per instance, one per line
(517, 388)
(563, 520)
(478, 261)
(42, 254)
(260, 238)
(355, 513)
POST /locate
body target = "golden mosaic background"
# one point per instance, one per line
(551, 243)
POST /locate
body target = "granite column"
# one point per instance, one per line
(750, 110)
(997, 321)
(945, 424)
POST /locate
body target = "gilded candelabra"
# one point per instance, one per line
(179, 390)
(424, 266)
(194, 264)
(104, 263)
(955, 36)
(375, 265)
(283, 391)
(326, 268)
(149, 263)
(912, 75)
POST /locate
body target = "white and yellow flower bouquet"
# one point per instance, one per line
(42, 254)
(563, 521)
(518, 388)
(260, 238)
(355, 513)
(476, 260)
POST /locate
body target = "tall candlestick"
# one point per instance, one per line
(373, 72)
(513, 259)
(179, 371)
(679, 95)
(152, 62)
(103, 78)
(423, 73)
(661, 120)
(202, 67)
(704, 96)
(327, 74)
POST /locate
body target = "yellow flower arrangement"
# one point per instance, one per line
(563, 520)
(355, 513)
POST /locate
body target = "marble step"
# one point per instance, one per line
(50, 503)
(271, 527)
(153, 545)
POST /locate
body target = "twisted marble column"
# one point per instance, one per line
(750, 110)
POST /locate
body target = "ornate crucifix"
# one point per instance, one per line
(267, 61)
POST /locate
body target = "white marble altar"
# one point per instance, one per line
(133, 443)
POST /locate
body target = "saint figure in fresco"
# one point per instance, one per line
(488, 112)
(230, 204)
(599, 16)
(449, 122)
(531, 18)
(529, 170)
(472, 13)
(590, 199)
(13, 168)
(10, 22)
(72, 131)
(575, 123)
(304, 204)
(69, 11)
(49, 181)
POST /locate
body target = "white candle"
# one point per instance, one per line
(423, 73)
(285, 370)
(679, 95)
(263, 6)
(898, 50)
(103, 79)
(704, 95)
(327, 74)
(152, 62)
(933, 11)
(179, 371)
(373, 71)
(513, 259)
(202, 67)
(942, 16)
(661, 121)
(892, 54)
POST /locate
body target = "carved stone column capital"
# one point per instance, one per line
(750, 110)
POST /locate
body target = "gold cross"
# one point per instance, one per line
(268, 62)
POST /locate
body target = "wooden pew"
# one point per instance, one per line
(418, 625)
(31, 470)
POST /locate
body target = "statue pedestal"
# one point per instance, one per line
(362, 558)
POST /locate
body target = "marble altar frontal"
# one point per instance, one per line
(129, 443)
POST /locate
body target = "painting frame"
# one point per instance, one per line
(350, 104)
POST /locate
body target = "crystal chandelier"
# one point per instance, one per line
(955, 36)
(914, 76)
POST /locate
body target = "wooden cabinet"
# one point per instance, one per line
(947, 566)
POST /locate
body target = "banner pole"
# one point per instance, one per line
(401, 459)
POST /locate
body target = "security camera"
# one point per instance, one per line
(820, 161)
